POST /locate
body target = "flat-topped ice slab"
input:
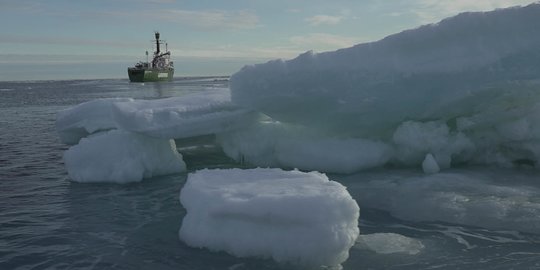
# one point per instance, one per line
(195, 114)
(203, 113)
(86, 118)
(289, 216)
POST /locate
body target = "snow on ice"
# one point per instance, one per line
(289, 216)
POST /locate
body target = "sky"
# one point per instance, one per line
(205, 37)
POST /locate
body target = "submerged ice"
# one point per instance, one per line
(388, 243)
(490, 198)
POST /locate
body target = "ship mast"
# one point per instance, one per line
(157, 42)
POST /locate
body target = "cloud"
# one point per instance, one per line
(324, 19)
(429, 11)
(199, 19)
(215, 19)
(149, 2)
(238, 52)
(323, 40)
(40, 58)
(69, 41)
(293, 10)
(25, 6)
(297, 45)
(160, 1)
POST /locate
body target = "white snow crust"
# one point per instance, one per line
(121, 157)
(501, 199)
(289, 216)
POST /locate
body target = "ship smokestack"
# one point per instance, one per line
(157, 42)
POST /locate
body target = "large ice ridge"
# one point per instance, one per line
(435, 72)
(465, 90)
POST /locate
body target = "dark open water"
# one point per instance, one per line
(49, 222)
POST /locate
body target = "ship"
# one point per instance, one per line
(160, 69)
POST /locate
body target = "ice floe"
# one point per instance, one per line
(289, 216)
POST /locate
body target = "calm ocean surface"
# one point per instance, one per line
(50, 222)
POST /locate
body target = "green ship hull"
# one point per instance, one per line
(150, 75)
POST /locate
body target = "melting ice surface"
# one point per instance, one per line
(460, 93)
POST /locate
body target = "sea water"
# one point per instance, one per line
(48, 221)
